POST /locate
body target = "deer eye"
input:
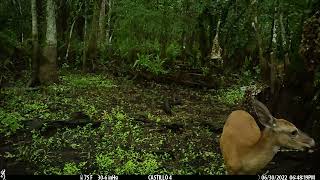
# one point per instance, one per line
(294, 133)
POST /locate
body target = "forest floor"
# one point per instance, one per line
(129, 127)
(102, 124)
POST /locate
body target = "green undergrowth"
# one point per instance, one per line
(121, 144)
(231, 95)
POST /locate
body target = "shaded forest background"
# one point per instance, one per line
(203, 44)
(197, 43)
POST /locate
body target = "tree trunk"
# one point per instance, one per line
(92, 45)
(48, 67)
(102, 29)
(163, 36)
(203, 42)
(276, 69)
(20, 12)
(69, 40)
(108, 32)
(35, 46)
(273, 54)
(85, 34)
(71, 32)
(284, 43)
(262, 60)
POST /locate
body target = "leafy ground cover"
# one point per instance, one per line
(135, 134)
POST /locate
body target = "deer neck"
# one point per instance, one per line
(262, 152)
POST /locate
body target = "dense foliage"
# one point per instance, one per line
(132, 125)
(156, 35)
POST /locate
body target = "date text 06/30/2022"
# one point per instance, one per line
(287, 177)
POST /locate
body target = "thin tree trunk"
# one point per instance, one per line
(163, 36)
(255, 25)
(274, 84)
(20, 11)
(102, 28)
(84, 56)
(35, 46)
(71, 32)
(92, 44)
(108, 32)
(203, 41)
(48, 68)
(17, 3)
(285, 43)
(69, 41)
(262, 60)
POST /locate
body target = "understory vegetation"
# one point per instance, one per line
(144, 87)
(134, 136)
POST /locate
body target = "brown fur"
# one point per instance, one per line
(246, 149)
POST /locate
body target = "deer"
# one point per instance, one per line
(246, 149)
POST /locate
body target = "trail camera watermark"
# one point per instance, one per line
(3, 174)
(86, 177)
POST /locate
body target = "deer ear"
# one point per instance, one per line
(264, 115)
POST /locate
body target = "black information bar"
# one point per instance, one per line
(130, 177)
